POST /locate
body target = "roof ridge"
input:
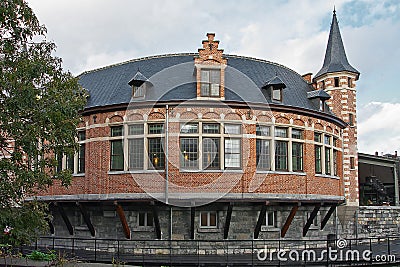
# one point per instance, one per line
(137, 59)
(186, 54)
(263, 61)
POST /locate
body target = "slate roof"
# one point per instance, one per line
(318, 94)
(172, 78)
(335, 55)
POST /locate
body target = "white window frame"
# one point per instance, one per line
(208, 226)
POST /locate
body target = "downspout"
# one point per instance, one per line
(166, 153)
(396, 184)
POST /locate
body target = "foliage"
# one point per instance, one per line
(42, 256)
(39, 112)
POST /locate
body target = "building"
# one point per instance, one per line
(212, 146)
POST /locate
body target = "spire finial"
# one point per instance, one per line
(334, 10)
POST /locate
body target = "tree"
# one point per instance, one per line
(39, 112)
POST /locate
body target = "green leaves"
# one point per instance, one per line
(39, 112)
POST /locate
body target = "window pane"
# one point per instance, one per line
(150, 219)
(317, 137)
(297, 156)
(81, 158)
(281, 155)
(156, 128)
(156, 153)
(232, 128)
(327, 139)
(262, 130)
(70, 163)
(215, 76)
(270, 218)
(214, 89)
(213, 219)
(203, 219)
(211, 153)
(136, 153)
(327, 161)
(116, 131)
(190, 128)
(81, 135)
(211, 128)
(142, 218)
(281, 132)
(263, 155)
(297, 134)
(318, 166)
(138, 91)
(205, 89)
(205, 76)
(232, 153)
(189, 152)
(136, 129)
(117, 155)
(276, 94)
(335, 162)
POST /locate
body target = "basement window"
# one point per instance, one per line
(145, 219)
(208, 219)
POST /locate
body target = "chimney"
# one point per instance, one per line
(307, 77)
(395, 154)
(376, 153)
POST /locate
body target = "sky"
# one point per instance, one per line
(95, 33)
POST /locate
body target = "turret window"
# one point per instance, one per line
(277, 94)
(336, 80)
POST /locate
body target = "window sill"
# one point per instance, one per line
(210, 171)
(281, 172)
(143, 229)
(327, 176)
(78, 175)
(269, 229)
(208, 230)
(132, 172)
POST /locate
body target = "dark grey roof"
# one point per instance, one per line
(275, 81)
(318, 94)
(172, 77)
(138, 79)
(335, 55)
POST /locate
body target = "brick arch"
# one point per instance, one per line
(233, 116)
(156, 116)
(318, 126)
(336, 132)
(211, 115)
(298, 122)
(134, 117)
(282, 120)
(188, 115)
(264, 118)
(329, 129)
(116, 118)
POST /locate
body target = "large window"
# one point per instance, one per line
(210, 83)
(81, 151)
(117, 149)
(326, 153)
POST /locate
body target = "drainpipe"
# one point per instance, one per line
(166, 153)
(396, 184)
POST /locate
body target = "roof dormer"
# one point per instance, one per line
(138, 84)
(321, 95)
(274, 87)
(210, 70)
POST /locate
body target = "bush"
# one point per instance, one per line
(41, 256)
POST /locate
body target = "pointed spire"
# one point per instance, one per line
(335, 55)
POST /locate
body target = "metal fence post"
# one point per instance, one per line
(118, 250)
(73, 246)
(95, 249)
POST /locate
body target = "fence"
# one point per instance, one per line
(282, 252)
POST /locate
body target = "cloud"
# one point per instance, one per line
(379, 128)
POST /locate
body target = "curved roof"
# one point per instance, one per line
(172, 78)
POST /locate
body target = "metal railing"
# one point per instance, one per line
(268, 252)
